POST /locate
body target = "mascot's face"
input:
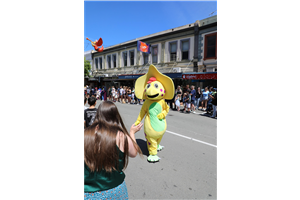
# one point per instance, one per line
(154, 90)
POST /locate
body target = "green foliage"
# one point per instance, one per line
(87, 67)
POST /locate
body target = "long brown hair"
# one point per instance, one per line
(100, 151)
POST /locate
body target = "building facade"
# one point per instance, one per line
(174, 52)
(205, 60)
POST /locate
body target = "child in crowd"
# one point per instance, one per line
(177, 102)
(186, 102)
(90, 113)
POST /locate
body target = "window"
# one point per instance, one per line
(109, 62)
(100, 60)
(185, 49)
(210, 49)
(131, 54)
(125, 58)
(114, 61)
(173, 51)
(96, 63)
(146, 56)
(154, 54)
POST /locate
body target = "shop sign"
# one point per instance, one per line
(199, 76)
(130, 76)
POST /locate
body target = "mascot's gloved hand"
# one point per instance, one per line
(161, 116)
(136, 123)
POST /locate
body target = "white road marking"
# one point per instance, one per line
(191, 138)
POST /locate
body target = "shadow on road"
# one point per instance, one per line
(143, 146)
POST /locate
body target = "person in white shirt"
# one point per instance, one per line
(85, 107)
(113, 93)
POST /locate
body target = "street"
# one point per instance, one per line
(188, 165)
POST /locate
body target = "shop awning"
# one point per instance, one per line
(135, 76)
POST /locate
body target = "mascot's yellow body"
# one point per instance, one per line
(154, 87)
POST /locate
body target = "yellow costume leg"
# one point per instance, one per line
(152, 145)
(159, 147)
(158, 140)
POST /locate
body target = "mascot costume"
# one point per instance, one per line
(154, 87)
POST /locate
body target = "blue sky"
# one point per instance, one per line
(117, 22)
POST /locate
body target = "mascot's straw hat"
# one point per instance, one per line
(166, 81)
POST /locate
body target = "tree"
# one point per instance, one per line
(87, 67)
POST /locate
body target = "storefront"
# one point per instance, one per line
(200, 79)
(109, 81)
(91, 81)
(129, 79)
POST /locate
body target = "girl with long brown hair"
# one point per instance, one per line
(107, 145)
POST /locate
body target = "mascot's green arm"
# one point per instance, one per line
(164, 113)
(141, 115)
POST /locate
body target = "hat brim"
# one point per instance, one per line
(166, 81)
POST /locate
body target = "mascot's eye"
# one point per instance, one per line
(156, 85)
(148, 85)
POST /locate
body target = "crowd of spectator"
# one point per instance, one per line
(188, 97)
(122, 94)
(193, 99)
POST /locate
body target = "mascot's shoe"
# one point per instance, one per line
(153, 158)
(159, 147)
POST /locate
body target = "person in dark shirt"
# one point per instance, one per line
(105, 93)
(214, 104)
(185, 89)
(93, 91)
(187, 100)
(90, 113)
(199, 98)
(193, 99)
(188, 88)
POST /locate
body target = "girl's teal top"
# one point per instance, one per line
(100, 181)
